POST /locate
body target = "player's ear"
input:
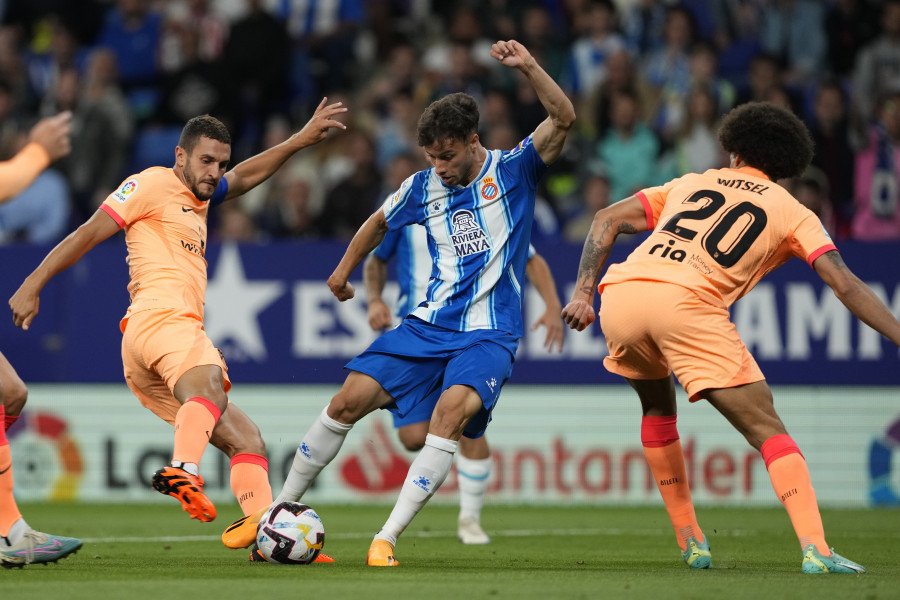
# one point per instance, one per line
(180, 156)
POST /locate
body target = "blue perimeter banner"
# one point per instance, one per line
(270, 312)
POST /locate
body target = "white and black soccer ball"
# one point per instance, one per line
(290, 533)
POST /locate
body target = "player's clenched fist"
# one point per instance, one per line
(342, 290)
(578, 314)
(53, 133)
(24, 304)
(510, 53)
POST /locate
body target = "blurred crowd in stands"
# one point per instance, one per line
(650, 80)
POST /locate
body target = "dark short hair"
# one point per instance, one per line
(767, 137)
(203, 126)
(453, 117)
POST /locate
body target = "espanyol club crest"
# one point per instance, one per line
(488, 189)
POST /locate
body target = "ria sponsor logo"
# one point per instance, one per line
(677, 254)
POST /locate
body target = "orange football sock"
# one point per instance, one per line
(793, 486)
(9, 512)
(8, 421)
(194, 424)
(662, 448)
(250, 482)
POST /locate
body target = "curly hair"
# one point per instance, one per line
(453, 117)
(203, 126)
(767, 137)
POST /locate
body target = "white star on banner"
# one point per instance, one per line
(233, 304)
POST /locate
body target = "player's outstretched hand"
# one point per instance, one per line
(578, 314)
(53, 133)
(342, 290)
(379, 315)
(323, 120)
(510, 53)
(550, 319)
(24, 304)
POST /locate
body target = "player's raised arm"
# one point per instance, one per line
(24, 303)
(627, 216)
(857, 296)
(550, 135)
(366, 239)
(256, 169)
(48, 141)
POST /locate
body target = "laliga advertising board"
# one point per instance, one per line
(575, 444)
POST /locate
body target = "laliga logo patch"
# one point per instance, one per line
(489, 189)
(468, 237)
(122, 194)
(521, 145)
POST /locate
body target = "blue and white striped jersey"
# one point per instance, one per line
(478, 238)
(410, 246)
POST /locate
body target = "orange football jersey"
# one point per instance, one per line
(165, 232)
(718, 233)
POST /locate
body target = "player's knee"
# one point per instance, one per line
(346, 408)
(252, 441)
(243, 440)
(14, 394)
(411, 442)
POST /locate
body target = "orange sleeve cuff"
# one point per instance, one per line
(647, 209)
(115, 216)
(812, 257)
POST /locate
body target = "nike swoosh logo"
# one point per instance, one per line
(186, 209)
(8, 467)
(50, 548)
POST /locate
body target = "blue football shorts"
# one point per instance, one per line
(416, 361)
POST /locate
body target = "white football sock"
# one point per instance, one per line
(473, 483)
(15, 533)
(319, 447)
(192, 468)
(427, 473)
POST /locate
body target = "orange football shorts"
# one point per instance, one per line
(158, 347)
(654, 328)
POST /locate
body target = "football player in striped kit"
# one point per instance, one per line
(477, 206)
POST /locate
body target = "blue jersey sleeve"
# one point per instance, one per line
(388, 246)
(218, 196)
(405, 206)
(525, 162)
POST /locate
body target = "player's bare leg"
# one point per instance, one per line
(21, 545)
(455, 408)
(751, 409)
(359, 396)
(662, 447)
(203, 401)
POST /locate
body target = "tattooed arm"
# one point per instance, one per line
(627, 216)
(857, 296)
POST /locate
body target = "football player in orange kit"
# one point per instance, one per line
(170, 363)
(665, 309)
(20, 544)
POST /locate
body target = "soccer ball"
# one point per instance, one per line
(290, 533)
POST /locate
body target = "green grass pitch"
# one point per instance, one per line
(155, 551)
